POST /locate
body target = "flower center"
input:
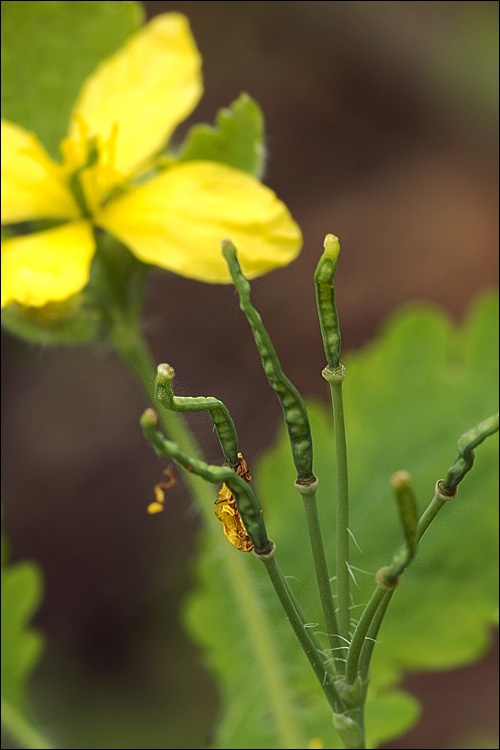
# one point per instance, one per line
(89, 165)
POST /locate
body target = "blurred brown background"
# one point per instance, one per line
(381, 128)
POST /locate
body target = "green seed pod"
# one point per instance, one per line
(408, 510)
(325, 300)
(224, 425)
(408, 513)
(246, 499)
(291, 401)
(465, 458)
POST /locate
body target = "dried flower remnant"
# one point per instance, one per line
(227, 512)
(159, 489)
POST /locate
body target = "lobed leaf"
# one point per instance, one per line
(21, 648)
(408, 398)
(236, 139)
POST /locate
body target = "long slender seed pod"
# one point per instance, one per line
(335, 373)
(291, 401)
(219, 414)
(246, 499)
(463, 463)
(408, 513)
(325, 300)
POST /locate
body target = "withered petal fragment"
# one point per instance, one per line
(227, 512)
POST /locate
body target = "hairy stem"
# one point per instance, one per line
(325, 677)
(308, 492)
(342, 512)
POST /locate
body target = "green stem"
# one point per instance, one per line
(360, 650)
(342, 528)
(325, 677)
(360, 633)
(308, 492)
(430, 514)
(128, 341)
(372, 634)
(264, 645)
(20, 729)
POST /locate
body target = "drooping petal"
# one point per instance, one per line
(178, 220)
(32, 184)
(47, 266)
(147, 88)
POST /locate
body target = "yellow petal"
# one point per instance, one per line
(46, 266)
(178, 220)
(148, 87)
(32, 185)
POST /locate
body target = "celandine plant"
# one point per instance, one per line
(342, 663)
(95, 193)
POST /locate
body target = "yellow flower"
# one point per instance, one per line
(123, 116)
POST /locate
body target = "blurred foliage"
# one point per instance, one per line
(408, 398)
(464, 67)
(236, 139)
(21, 646)
(56, 36)
(476, 740)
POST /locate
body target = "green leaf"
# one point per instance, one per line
(236, 139)
(408, 398)
(21, 649)
(48, 49)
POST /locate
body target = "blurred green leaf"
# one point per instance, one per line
(463, 64)
(408, 398)
(21, 649)
(48, 49)
(236, 139)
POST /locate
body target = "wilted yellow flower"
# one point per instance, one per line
(124, 114)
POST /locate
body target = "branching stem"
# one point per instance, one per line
(325, 677)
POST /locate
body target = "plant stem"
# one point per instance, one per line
(132, 348)
(264, 645)
(372, 634)
(308, 492)
(429, 514)
(316, 660)
(361, 631)
(342, 533)
(361, 648)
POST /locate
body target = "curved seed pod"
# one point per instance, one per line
(244, 495)
(463, 463)
(219, 414)
(325, 300)
(291, 401)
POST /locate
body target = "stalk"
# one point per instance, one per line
(308, 492)
(325, 677)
